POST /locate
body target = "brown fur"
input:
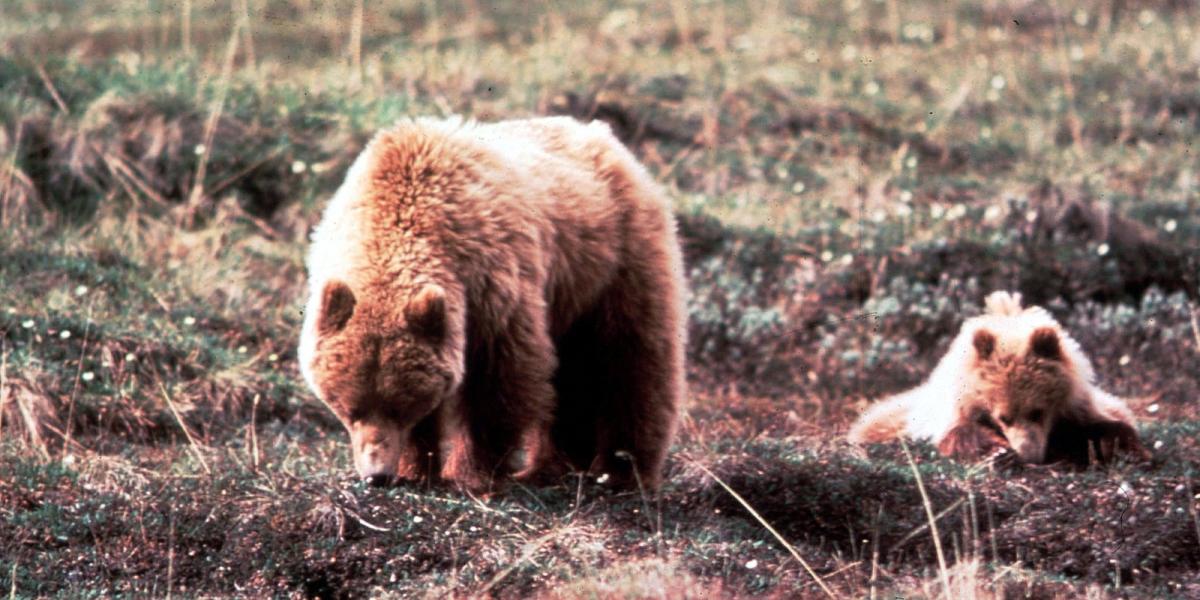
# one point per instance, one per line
(1012, 380)
(973, 440)
(1030, 396)
(502, 302)
(1083, 442)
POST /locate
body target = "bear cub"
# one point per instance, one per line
(1013, 380)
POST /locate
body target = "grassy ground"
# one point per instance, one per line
(852, 178)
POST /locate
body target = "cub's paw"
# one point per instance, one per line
(1095, 442)
(975, 441)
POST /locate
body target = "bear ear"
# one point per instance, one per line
(985, 343)
(337, 306)
(426, 311)
(1044, 343)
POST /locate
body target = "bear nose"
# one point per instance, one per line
(379, 480)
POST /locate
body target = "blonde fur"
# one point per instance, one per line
(949, 399)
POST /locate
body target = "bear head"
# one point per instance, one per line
(382, 364)
(1022, 387)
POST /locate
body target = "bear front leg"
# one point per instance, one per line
(639, 354)
(456, 446)
(1083, 443)
(1113, 438)
(510, 399)
(973, 441)
(421, 460)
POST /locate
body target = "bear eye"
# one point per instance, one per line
(1036, 415)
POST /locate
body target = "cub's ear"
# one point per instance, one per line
(337, 306)
(985, 343)
(426, 311)
(1044, 343)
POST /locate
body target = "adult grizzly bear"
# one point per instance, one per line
(494, 298)
(1013, 379)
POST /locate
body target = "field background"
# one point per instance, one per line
(852, 178)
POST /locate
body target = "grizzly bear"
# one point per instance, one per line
(1013, 380)
(498, 299)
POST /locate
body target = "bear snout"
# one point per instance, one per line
(1029, 444)
(377, 449)
(376, 461)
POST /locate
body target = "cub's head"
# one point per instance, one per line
(1023, 389)
(381, 367)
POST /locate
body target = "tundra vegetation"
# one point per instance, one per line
(851, 179)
